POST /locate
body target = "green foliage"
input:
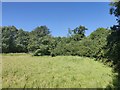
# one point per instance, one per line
(9, 35)
(44, 50)
(99, 40)
(22, 41)
(78, 33)
(113, 45)
(115, 8)
(14, 40)
(37, 52)
(113, 49)
(91, 46)
(36, 38)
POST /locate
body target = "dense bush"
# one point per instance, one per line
(37, 52)
(91, 46)
(43, 50)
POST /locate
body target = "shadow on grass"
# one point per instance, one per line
(115, 83)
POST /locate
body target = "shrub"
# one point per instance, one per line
(43, 50)
(37, 52)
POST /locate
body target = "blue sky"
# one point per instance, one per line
(58, 17)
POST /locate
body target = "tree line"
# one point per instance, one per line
(41, 42)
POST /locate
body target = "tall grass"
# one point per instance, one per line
(26, 71)
(0, 71)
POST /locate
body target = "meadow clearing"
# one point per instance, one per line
(26, 71)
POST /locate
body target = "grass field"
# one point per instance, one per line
(26, 71)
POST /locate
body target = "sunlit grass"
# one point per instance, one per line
(23, 70)
(0, 71)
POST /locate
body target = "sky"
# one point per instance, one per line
(57, 16)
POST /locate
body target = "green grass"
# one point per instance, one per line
(23, 70)
(0, 71)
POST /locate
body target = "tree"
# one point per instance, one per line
(9, 39)
(115, 10)
(78, 33)
(36, 37)
(22, 40)
(99, 41)
(113, 45)
(1, 40)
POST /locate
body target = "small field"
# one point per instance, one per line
(26, 71)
